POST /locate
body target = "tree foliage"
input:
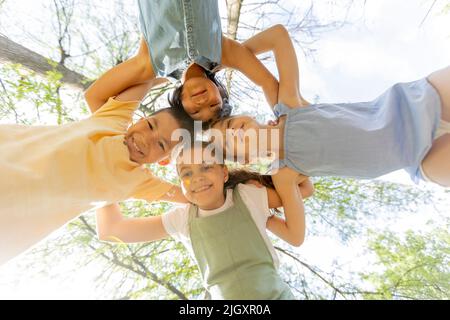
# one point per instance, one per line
(413, 266)
(89, 38)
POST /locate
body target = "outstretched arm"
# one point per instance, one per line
(306, 189)
(114, 227)
(237, 56)
(277, 39)
(132, 78)
(292, 228)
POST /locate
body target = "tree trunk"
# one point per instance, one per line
(234, 12)
(15, 53)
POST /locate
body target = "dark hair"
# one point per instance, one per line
(182, 118)
(175, 98)
(242, 175)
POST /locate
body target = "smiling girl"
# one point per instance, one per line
(224, 227)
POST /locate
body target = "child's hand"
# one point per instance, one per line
(286, 177)
(255, 183)
(270, 89)
(145, 63)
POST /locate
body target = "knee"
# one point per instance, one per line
(435, 166)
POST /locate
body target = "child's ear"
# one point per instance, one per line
(225, 174)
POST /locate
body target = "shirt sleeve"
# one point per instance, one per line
(175, 222)
(152, 189)
(256, 199)
(119, 112)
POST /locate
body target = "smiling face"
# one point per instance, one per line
(241, 136)
(201, 98)
(149, 140)
(202, 183)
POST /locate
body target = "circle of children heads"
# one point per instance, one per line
(199, 111)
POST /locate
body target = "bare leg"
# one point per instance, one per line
(441, 81)
(436, 164)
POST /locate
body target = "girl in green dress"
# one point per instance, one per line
(224, 226)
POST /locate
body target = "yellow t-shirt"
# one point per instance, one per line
(51, 174)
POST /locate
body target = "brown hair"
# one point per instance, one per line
(183, 120)
(175, 99)
(242, 175)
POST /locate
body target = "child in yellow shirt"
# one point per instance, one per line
(51, 174)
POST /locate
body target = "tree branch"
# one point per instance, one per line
(145, 273)
(15, 53)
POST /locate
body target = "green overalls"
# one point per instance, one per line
(233, 258)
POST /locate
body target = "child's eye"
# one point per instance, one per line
(161, 145)
(186, 174)
(150, 125)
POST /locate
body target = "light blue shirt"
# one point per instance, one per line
(179, 32)
(363, 140)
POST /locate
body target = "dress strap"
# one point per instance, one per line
(193, 211)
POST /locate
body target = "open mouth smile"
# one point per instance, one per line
(201, 189)
(135, 146)
(199, 93)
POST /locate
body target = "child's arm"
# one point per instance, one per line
(237, 56)
(136, 73)
(292, 228)
(114, 227)
(306, 189)
(277, 39)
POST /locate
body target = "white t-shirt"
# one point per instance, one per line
(255, 198)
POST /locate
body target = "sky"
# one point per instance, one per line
(389, 42)
(385, 43)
